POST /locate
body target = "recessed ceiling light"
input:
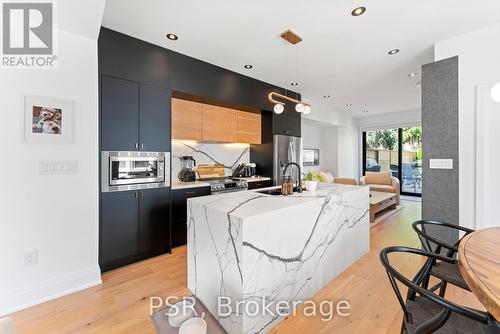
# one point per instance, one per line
(393, 51)
(294, 84)
(348, 105)
(414, 74)
(358, 11)
(172, 37)
(248, 66)
(419, 84)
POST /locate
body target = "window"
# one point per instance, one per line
(398, 150)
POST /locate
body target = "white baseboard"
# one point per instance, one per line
(40, 292)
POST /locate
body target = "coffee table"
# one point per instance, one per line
(381, 201)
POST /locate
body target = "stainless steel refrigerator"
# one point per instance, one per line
(286, 149)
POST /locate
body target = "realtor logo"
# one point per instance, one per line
(28, 35)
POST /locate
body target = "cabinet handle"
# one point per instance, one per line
(142, 194)
(136, 194)
(190, 192)
(142, 145)
(136, 145)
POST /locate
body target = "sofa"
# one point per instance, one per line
(381, 181)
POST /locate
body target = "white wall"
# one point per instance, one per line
(343, 139)
(479, 63)
(325, 139)
(391, 120)
(54, 214)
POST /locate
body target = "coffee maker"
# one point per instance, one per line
(187, 174)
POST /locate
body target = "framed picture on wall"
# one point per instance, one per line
(48, 120)
(310, 156)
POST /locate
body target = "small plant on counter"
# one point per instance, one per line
(312, 180)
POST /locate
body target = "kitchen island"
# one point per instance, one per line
(253, 248)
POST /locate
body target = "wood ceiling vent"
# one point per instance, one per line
(291, 37)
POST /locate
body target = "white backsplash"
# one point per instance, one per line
(230, 155)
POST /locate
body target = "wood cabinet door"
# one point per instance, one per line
(219, 124)
(249, 127)
(186, 120)
(119, 114)
(154, 119)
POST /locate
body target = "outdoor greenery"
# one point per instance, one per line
(388, 139)
(382, 139)
(413, 137)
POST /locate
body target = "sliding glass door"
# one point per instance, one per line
(396, 150)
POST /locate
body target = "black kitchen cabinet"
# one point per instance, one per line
(135, 225)
(179, 212)
(119, 114)
(154, 221)
(154, 119)
(259, 184)
(286, 125)
(134, 116)
(119, 226)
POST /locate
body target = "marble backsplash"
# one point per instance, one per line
(230, 155)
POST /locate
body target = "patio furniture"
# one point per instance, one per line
(381, 181)
(372, 165)
(394, 170)
(411, 177)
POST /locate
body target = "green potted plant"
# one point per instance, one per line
(312, 180)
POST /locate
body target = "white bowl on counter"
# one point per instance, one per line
(194, 326)
(179, 312)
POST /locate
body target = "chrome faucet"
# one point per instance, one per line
(300, 173)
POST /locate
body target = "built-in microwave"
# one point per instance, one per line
(134, 170)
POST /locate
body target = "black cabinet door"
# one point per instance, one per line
(154, 221)
(119, 114)
(259, 184)
(119, 225)
(154, 119)
(179, 212)
(286, 125)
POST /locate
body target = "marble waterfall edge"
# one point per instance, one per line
(249, 247)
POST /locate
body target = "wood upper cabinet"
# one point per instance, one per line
(186, 120)
(249, 127)
(205, 122)
(219, 124)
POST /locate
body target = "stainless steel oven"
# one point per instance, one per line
(134, 170)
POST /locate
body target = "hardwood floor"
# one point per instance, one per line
(121, 303)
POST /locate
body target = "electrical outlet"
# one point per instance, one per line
(31, 259)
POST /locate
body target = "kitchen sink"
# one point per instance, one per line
(270, 192)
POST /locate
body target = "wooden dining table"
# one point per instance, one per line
(479, 263)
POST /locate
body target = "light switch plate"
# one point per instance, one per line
(58, 167)
(441, 163)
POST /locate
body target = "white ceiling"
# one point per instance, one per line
(341, 55)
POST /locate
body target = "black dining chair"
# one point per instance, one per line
(426, 312)
(447, 272)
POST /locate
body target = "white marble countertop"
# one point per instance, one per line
(176, 184)
(244, 204)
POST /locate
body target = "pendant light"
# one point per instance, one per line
(279, 107)
(495, 92)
